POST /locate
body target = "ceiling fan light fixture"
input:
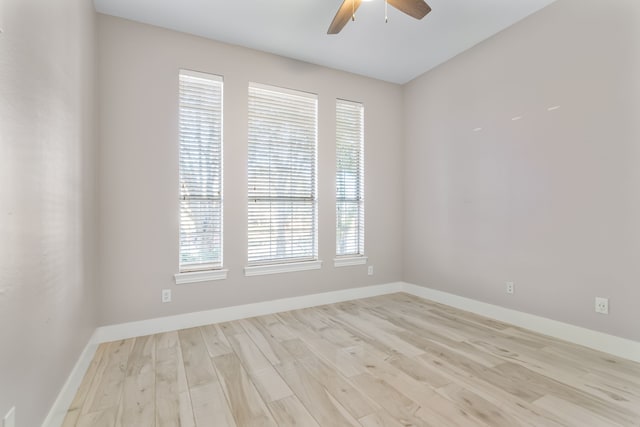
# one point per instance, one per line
(386, 15)
(417, 9)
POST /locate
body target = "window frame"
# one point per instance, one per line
(357, 257)
(259, 96)
(213, 270)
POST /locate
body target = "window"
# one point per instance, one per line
(282, 214)
(200, 132)
(349, 180)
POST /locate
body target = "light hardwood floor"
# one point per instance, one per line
(394, 360)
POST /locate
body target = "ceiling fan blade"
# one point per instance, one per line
(416, 8)
(346, 11)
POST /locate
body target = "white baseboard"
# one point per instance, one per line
(199, 318)
(596, 340)
(58, 411)
(586, 337)
(600, 341)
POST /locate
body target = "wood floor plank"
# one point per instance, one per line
(379, 419)
(498, 392)
(290, 412)
(567, 371)
(481, 409)
(274, 325)
(138, 396)
(142, 356)
(270, 385)
(573, 414)
(512, 351)
(331, 352)
(458, 366)
(105, 391)
(418, 370)
(75, 408)
(168, 349)
(368, 326)
(197, 363)
(356, 339)
(210, 406)
(416, 336)
(267, 334)
(187, 413)
(268, 382)
(167, 395)
(337, 385)
(549, 386)
(173, 402)
(444, 412)
(255, 331)
(597, 360)
(138, 401)
(418, 392)
(395, 403)
(247, 406)
(314, 397)
(215, 340)
(249, 353)
(391, 360)
(615, 388)
(420, 318)
(230, 328)
(106, 418)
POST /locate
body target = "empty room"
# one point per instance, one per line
(319, 213)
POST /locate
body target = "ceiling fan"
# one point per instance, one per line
(415, 8)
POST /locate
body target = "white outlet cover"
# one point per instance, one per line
(602, 305)
(166, 295)
(9, 420)
(370, 270)
(510, 288)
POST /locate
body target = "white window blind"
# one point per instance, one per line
(200, 131)
(282, 215)
(349, 178)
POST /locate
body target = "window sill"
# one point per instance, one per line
(200, 276)
(258, 270)
(352, 260)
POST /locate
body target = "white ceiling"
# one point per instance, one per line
(396, 52)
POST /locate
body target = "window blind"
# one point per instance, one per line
(282, 213)
(200, 133)
(349, 178)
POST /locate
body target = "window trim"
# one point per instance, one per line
(349, 260)
(288, 267)
(200, 276)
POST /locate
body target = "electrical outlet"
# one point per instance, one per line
(602, 305)
(9, 420)
(166, 295)
(511, 287)
(370, 270)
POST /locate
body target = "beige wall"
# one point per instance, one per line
(551, 201)
(138, 172)
(47, 148)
